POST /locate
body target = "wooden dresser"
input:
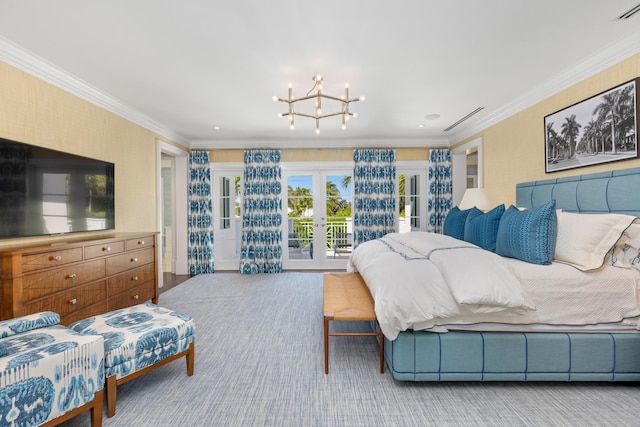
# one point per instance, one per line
(79, 278)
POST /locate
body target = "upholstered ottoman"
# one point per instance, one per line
(48, 373)
(137, 340)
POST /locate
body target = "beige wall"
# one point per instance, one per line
(514, 149)
(38, 113)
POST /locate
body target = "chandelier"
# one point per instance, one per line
(315, 93)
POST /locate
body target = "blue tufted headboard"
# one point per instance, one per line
(606, 192)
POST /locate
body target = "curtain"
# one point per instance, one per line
(440, 184)
(374, 201)
(200, 224)
(261, 250)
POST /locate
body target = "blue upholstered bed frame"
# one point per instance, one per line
(495, 356)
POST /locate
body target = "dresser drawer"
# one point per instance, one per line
(59, 279)
(72, 300)
(130, 279)
(95, 251)
(93, 310)
(142, 242)
(133, 296)
(33, 262)
(128, 260)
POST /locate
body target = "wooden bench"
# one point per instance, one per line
(347, 298)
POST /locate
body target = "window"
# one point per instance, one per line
(411, 201)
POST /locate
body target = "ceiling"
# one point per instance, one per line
(183, 67)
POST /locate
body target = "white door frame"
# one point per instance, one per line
(218, 170)
(319, 170)
(459, 168)
(180, 237)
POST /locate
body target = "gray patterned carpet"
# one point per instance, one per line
(259, 362)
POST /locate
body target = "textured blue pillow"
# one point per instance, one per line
(528, 235)
(454, 223)
(481, 228)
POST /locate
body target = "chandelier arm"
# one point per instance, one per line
(304, 98)
(333, 98)
(334, 114)
(311, 116)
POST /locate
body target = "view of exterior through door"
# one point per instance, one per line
(319, 219)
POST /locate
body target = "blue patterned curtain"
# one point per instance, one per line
(200, 224)
(440, 186)
(261, 250)
(374, 201)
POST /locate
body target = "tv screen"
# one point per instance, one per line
(44, 192)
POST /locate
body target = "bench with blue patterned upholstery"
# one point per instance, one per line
(48, 373)
(137, 340)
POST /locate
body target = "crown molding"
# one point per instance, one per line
(21, 59)
(313, 143)
(598, 62)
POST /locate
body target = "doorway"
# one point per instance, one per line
(227, 184)
(172, 212)
(318, 227)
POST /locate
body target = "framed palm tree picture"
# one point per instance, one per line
(599, 129)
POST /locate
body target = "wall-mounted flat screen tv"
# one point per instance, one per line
(46, 192)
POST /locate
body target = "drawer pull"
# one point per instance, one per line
(134, 278)
(73, 276)
(73, 301)
(134, 259)
(141, 242)
(107, 249)
(57, 258)
(135, 296)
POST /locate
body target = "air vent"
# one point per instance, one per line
(477, 110)
(628, 14)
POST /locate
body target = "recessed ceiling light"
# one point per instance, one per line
(420, 125)
(216, 128)
(432, 116)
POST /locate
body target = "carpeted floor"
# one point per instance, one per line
(259, 362)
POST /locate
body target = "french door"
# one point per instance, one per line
(227, 216)
(317, 205)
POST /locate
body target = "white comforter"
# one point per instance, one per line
(432, 281)
(418, 279)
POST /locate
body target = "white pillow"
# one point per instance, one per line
(626, 252)
(585, 239)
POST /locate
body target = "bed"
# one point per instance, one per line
(571, 318)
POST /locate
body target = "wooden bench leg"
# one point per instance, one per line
(110, 386)
(381, 350)
(326, 345)
(96, 410)
(190, 356)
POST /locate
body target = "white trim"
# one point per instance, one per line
(28, 62)
(313, 166)
(320, 143)
(180, 204)
(459, 168)
(226, 166)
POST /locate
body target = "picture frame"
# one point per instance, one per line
(582, 134)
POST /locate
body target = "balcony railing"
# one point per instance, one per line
(303, 228)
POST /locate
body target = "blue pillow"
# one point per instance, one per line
(454, 223)
(529, 235)
(481, 228)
